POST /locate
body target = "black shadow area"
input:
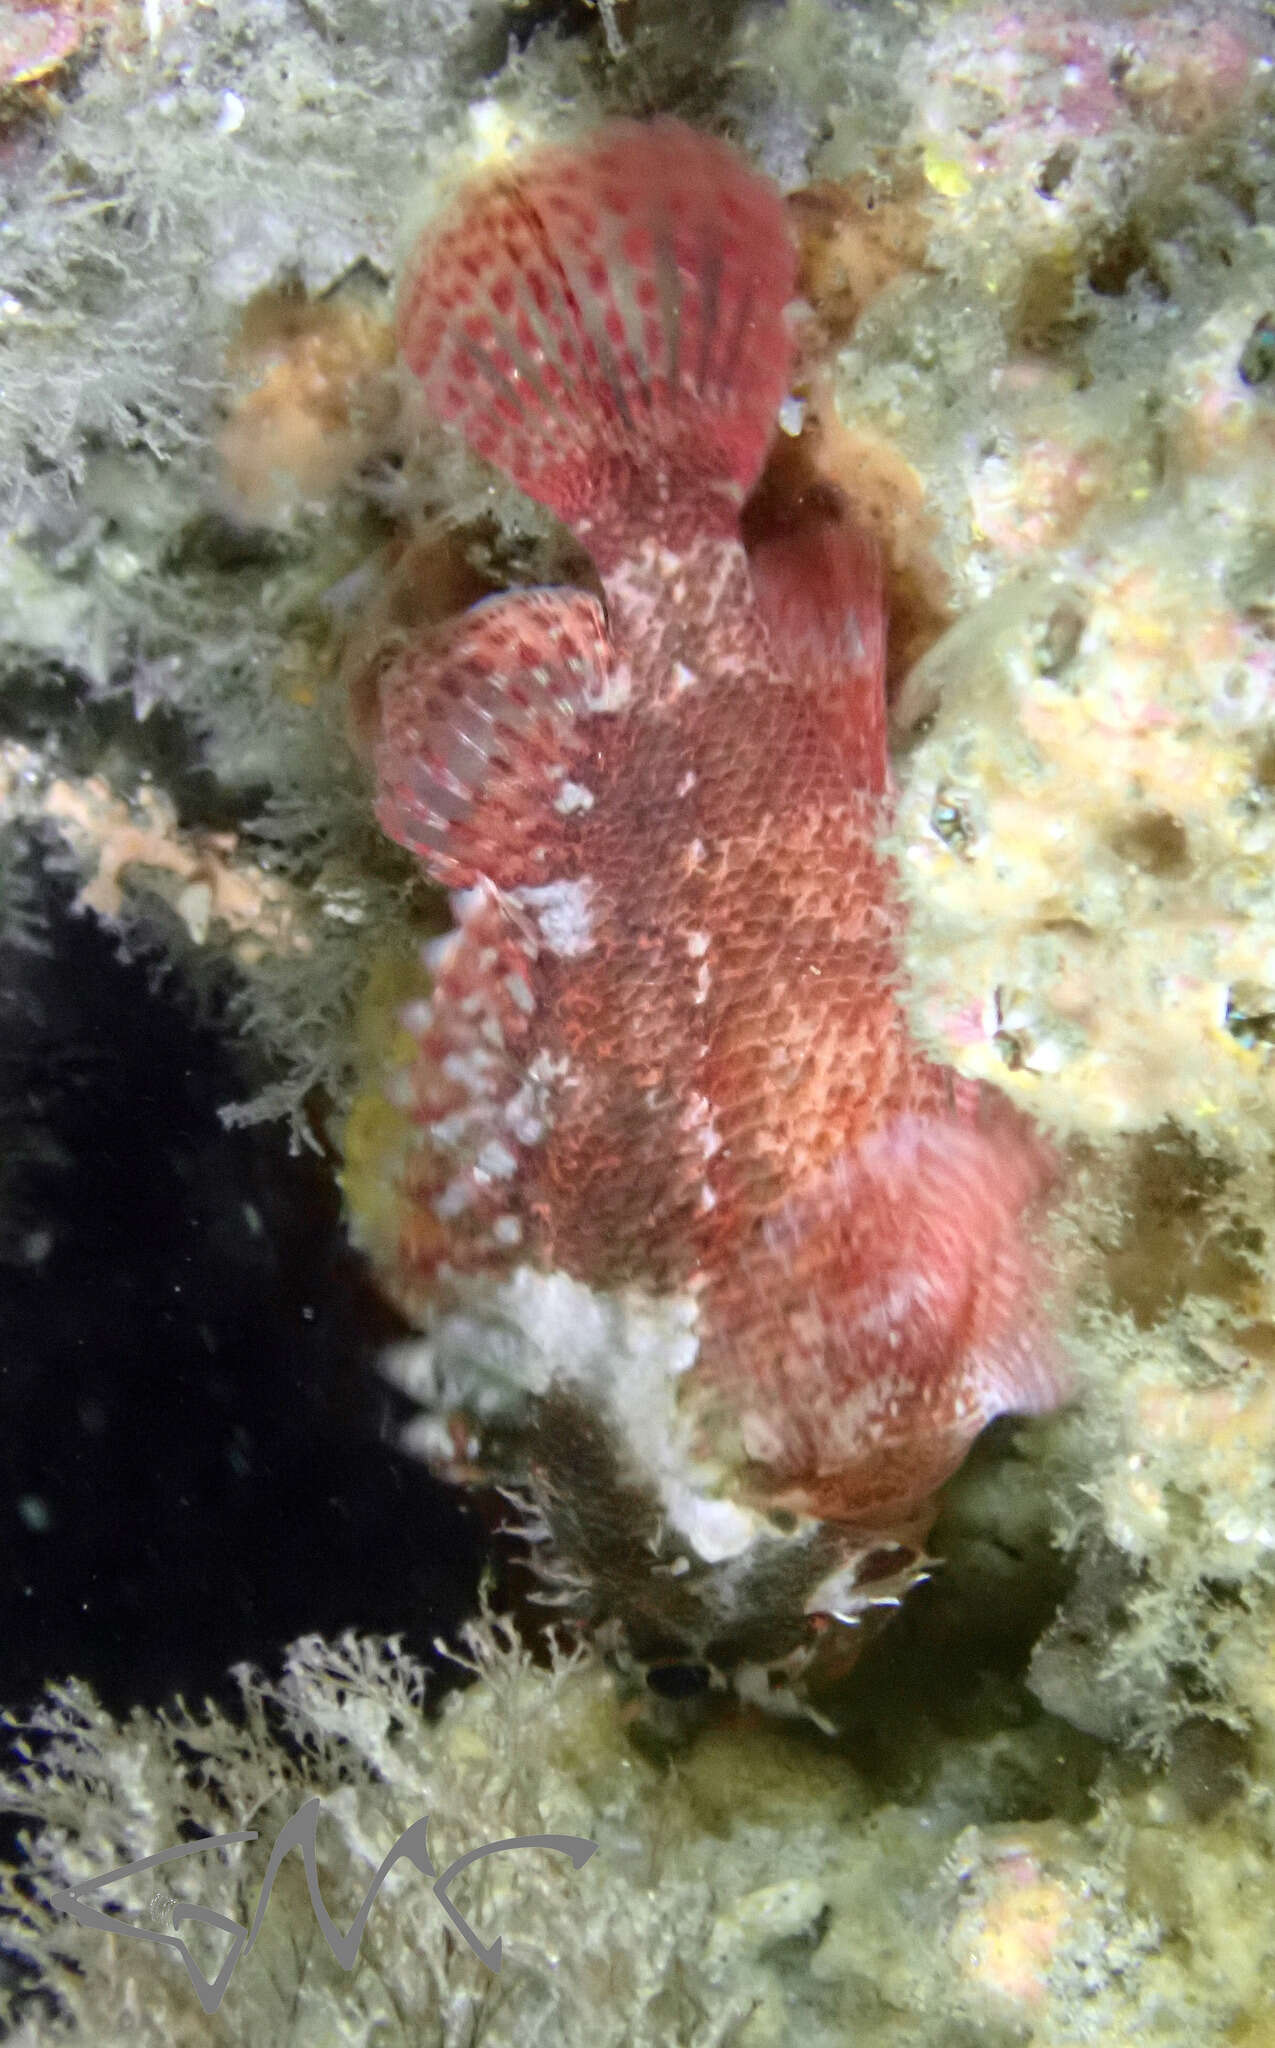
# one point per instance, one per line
(196, 1457)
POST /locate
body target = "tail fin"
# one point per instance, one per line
(605, 323)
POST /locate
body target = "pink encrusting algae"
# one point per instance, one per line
(665, 1068)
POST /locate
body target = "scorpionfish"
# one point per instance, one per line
(707, 1256)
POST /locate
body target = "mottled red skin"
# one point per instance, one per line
(725, 1098)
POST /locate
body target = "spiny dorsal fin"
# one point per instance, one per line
(605, 323)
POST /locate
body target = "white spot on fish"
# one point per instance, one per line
(474, 1071)
(448, 1131)
(717, 1528)
(699, 1118)
(563, 913)
(573, 796)
(495, 1162)
(416, 1018)
(465, 903)
(522, 1120)
(612, 691)
(527, 1111)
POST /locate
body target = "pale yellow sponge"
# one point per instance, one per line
(1087, 828)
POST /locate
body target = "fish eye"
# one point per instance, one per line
(679, 1681)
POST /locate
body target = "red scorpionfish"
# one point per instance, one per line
(722, 1268)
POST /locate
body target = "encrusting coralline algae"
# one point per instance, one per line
(1037, 248)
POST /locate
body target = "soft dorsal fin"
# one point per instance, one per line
(605, 323)
(475, 723)
(819, 586)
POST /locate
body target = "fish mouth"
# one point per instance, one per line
(775, 1623)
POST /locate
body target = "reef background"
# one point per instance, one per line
(1040, 359)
